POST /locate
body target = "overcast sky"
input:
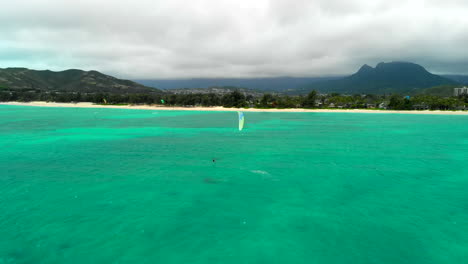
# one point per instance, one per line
(158, 39)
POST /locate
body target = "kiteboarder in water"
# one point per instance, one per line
(241, 120)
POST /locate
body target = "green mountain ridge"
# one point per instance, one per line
(462, 79)
(385, 78)
(392, 77)
(72, 80)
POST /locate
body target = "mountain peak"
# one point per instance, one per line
(390, 77)
(383, 64)
(365, 68)
(399, 65)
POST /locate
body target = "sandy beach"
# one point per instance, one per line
(220, 108)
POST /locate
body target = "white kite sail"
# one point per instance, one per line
(241, 120)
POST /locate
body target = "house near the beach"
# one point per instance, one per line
(383, 105)
(421, 106)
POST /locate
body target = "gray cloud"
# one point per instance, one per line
(227, 38)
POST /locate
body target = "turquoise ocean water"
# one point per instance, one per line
(140, 186)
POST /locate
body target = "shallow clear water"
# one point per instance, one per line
(137, 186)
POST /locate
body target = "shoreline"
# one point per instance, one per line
(220, 108)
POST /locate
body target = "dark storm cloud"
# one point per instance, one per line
(224, 38)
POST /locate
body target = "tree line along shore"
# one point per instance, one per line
(242, 100)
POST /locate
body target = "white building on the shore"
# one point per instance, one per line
(460, 91)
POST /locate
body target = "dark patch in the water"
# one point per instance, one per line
(16, 254)
(211, 181)
(64, 246)
(301, 227)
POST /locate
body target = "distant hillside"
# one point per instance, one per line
(393, 77)
(277, 84)
(215, 90)
(68, 81)
(462, 79)
(443, 90)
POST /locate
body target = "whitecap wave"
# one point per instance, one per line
(260, 172)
